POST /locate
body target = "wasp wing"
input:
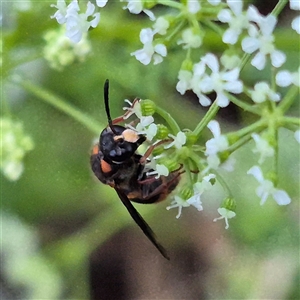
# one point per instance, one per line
(142, 223)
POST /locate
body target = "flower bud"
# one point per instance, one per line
(186, 192)
(229, 203)
(191, 139)
(187, 65)
(171, 164)
(162, 132)
(148, 107)
(158, 151)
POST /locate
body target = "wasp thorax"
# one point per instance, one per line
(118, 143)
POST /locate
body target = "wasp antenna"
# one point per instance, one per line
(106, 99)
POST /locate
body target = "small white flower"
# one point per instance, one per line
(160, 170)
(178, 141)
(60, 15)
(297, 136)
(262, 40)
(184, 82)
(78, 24)
(296, 24)
(225, 214)
(190, 39)
(180, 203)
(193, 6)
(136, 7)
(134, 108)
(263, 92)
(149, 51)
(218, 81)
(295, 5)
(236, 19)
(285, 78)
(148, 130)
(267, 188)
(262, 147)
(218, 143)
(161, 25)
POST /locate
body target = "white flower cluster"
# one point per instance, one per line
(77, 24)
(14, 145)
(201, 82)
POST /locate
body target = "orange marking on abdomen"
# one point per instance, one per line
(105, 167)
(95, 150)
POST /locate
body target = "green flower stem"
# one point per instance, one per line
(214, 108)
(241, 142)
(61, 105)
(243, 135)
(243, 105)
(279, 7)
(290, 120)
(213, 26)
(176, 30)
(169, 119)
(244, 61)
(289, 99)
(223, 184)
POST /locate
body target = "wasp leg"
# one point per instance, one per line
(143, 159)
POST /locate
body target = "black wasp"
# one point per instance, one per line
(115, 162)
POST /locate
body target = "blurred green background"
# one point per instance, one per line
(65, 235)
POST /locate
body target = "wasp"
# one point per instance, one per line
(115, 162)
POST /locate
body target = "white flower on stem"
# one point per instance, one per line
(160, 170)
(218, 143)
(193, 6)
(295, 5)
(60, 15)
(263, 92)
(225, 214)
(161, 25)
(236, 19)
(136, 7)
(262, 147)
(184, 82)
(149, 51)
(267, 188)
(262, 40)
(297, 136)
(178, 141)
(218, 81)
(147, 127)
(133, 109)
(78, 24)
(190, 39)
(285, 78)
(180, 203)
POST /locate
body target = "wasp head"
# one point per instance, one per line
(119, 143)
